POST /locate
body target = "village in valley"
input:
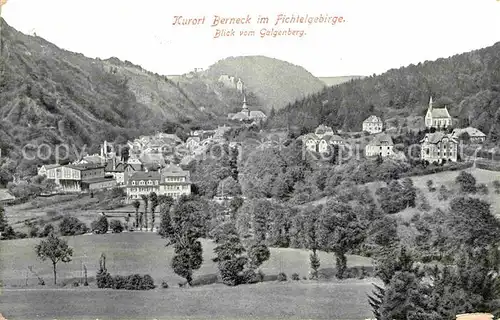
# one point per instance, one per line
(250, 189)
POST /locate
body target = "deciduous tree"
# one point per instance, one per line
(56, 250)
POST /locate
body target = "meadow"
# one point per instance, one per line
(288, 300)
(135, 252)
(146, 253)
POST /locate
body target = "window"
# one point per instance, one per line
(133, 183)
(141, 183)
(150, 183)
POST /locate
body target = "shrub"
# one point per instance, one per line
(116, 226)
(133, 282)
(260, 276)
(33, 231)
(119, 282)
(76, 284)
(295, 276)
(46, 231)
(430, 185)
(100, 226)
(249, 276)
(147, 283)
(496, 185)
(71, 226)
(482, 189)
(467, 182)
(443, 193)
(164, 284)
(282, 276)
(104, 279)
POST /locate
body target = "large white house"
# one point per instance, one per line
(321, 140)
(171, 181)
(381, 145)
(475, 135)
(438, 146)
(373, 125)
(437, 117)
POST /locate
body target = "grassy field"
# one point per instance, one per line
(446, 178)
(135, 252)
(145, 253)
(289, 300)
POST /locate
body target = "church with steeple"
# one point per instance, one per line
(438, 118)
(246, 115)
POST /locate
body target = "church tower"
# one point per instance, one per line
(428, 116)
(245, 107)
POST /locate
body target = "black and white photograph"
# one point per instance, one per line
(250, 160)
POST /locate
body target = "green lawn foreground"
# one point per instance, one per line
(297, 300)
(135, 252)
(145, 253)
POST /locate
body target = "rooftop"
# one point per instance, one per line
(85, 166)
(437, 137)
(381, 139)
(473, 132)
(6, 196)
(373, 118)
(440, 113)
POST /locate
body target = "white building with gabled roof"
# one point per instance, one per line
(437, 117)
(373, 125)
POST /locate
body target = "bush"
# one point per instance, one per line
(116, 226)
(76, 284)
(295, 276)
(33, 231)
(104, 279)
(282, 276)
(164, 284)
(260, 276)
(249, 276)
(430, 185)
(71, 226)
(496, 185)
(443, 193)
(119, 282)
(133, 282)
(100, 226)
(467, 182)
(482, 189)
(147, 283)
(46, 231)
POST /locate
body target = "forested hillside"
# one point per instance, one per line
(469, 84)
(275, 82)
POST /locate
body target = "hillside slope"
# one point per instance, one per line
(74, 99)
(468, 83)
(274, 81)
(333, 81)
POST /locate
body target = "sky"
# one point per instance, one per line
(375, 37)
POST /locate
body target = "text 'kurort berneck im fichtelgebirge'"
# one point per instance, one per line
(246, 25)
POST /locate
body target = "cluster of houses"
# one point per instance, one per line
(435, 147)
(149, 165)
